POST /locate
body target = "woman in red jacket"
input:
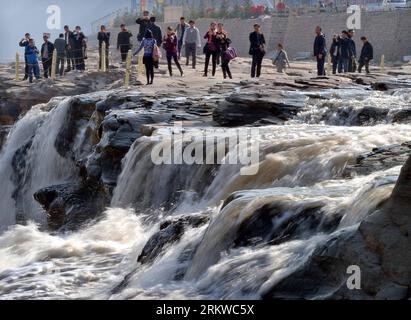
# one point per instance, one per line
(170, 45)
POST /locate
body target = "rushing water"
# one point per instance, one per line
(300, 166)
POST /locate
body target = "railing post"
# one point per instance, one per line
(17, 66)
(140, 64)
(53, 65)
(103, 57)
(382, 64)
(128, 69)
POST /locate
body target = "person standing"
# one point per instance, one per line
(143, 22)
(47, 56)
(335, 52)
(24, 43)
(60, 45)
(149, 45)
(281, 61)
(344, 53)
(103, 37)
(180, 30)
(79, 40)
(223, 43)
(124, 42)
(68, 37)
(320, 50)
(192, 41)
(367, 54)
(353, 51)
(211, 49)
(157, 35)
(170, 45)
(31, 53)
(257, 50)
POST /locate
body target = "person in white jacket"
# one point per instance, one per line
(192, 41)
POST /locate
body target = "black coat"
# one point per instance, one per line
(257, 41)
(157, 33)
(367, 52)
(103, 37)
(50, 48)
(353, 48)
(143, 28)
(320, 45)
(346, 49)
(123, 40)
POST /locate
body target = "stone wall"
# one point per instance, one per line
(389, 32)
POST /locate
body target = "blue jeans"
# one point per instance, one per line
(343, 65)
(34, 68)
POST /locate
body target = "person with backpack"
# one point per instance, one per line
(31, 53)
(257, 50)
(223, 43)
(281, 60)
(170, 45)
(211, 49)
(151, 53)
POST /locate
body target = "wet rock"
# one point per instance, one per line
(380, 86)
(79, 113)
(248, 108)
(370, 116)
(71, 205)
(401, 116)
(379, 159)
(379, 247)
(118, 131)
(270, 225)
(170, 232)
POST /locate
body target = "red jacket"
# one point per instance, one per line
(170, 44)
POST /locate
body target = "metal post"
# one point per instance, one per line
(17, 66)
(128, 69)
(54, 65)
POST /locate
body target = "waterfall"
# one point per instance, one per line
(30, 162)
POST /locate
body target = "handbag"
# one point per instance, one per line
(156, 53)
(231, 53)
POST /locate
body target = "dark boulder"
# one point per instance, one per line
(71, 205)
(170, 232)
(249, 108)
(379, 159)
